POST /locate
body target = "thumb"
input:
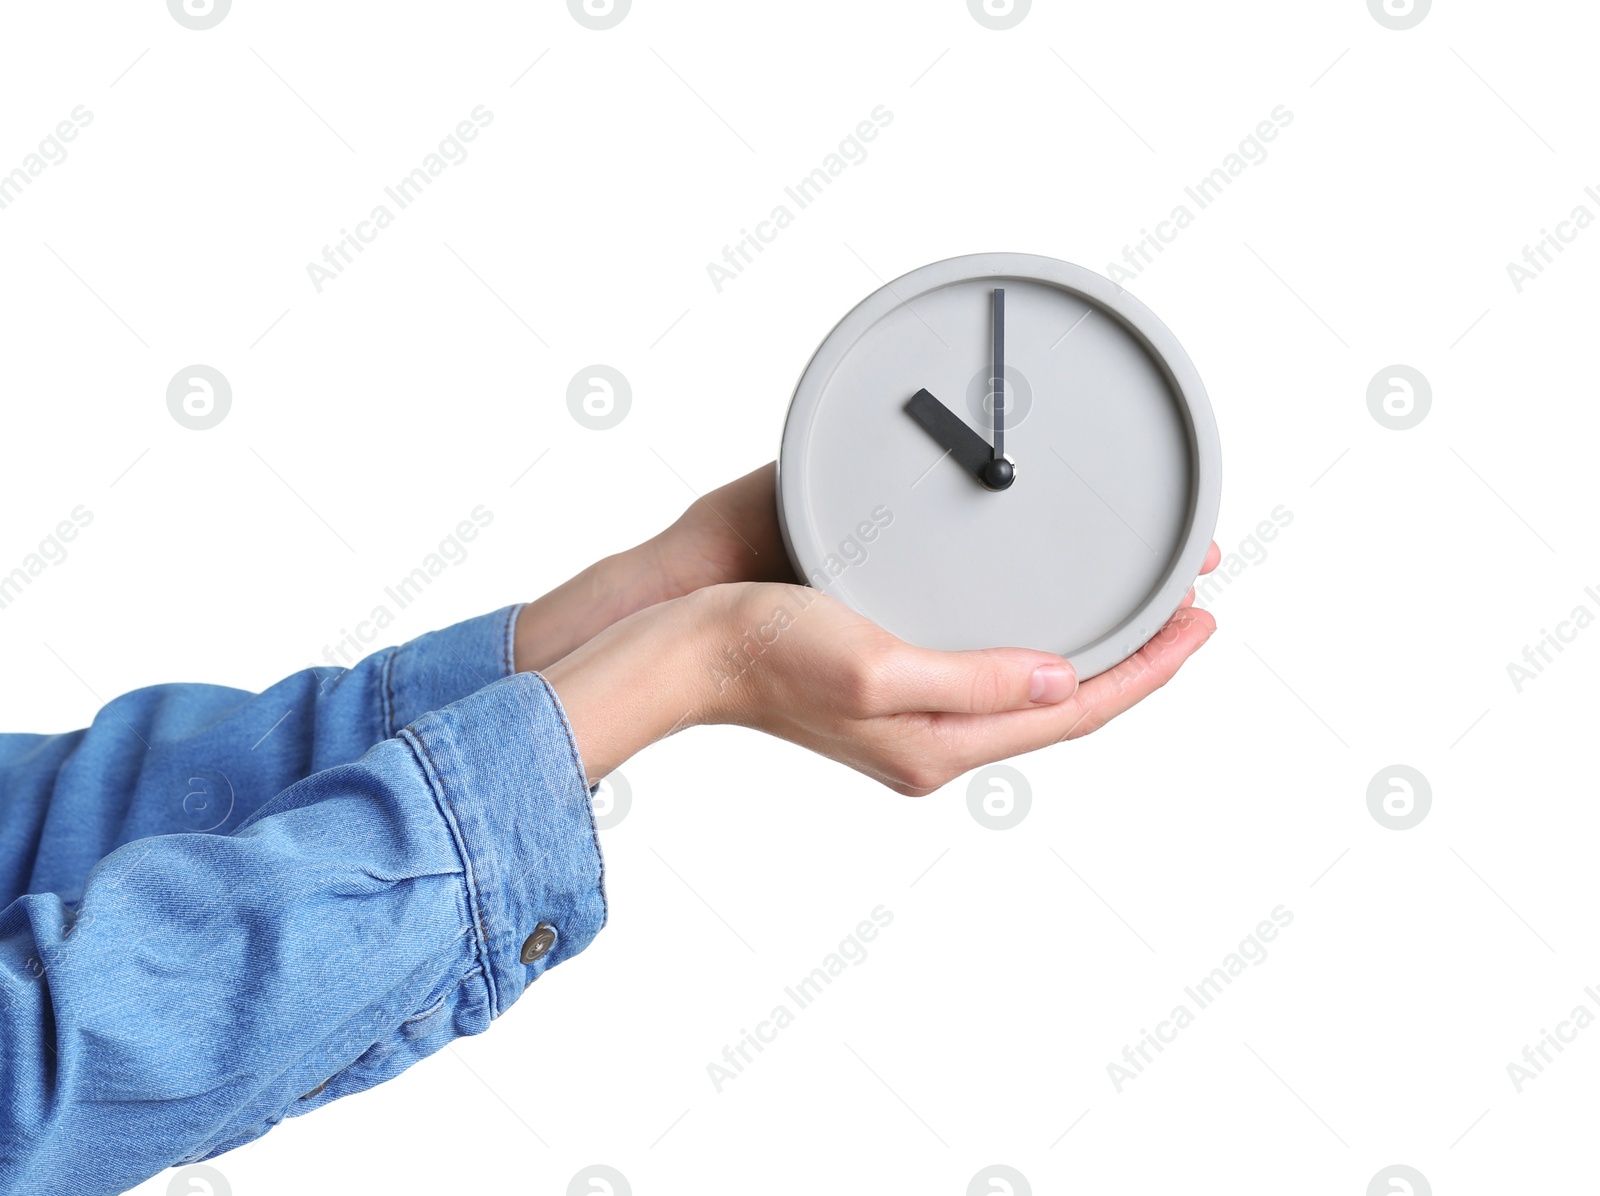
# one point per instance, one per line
(981, 682)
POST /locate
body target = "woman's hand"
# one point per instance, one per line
(797, 664)
(730, 535)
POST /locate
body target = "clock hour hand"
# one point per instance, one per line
(971, 451)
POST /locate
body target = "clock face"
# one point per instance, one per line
(1080, 537)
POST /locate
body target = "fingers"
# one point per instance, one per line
(958, 710)
(1213, 559)
(984, 682)
(978, 740)
(1146, 671)
(997, 680)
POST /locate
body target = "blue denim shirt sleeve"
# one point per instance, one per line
(427, 811)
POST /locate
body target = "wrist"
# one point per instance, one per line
(643, 679)
(667, 559)
(610, 589)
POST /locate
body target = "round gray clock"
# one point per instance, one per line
(1070, 516)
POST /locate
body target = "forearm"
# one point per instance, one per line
(187, 758)
(208, 985)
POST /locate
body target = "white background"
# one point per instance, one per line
(369, 419)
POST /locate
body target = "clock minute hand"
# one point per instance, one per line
(999, 472)
(997, 375)
(969, 449)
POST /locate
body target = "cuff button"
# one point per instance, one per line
(537, 945)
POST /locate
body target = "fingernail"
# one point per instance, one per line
(1052, 683)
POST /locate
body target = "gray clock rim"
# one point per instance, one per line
(806, 550)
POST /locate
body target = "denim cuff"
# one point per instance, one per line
(444, 666)
(505, 772)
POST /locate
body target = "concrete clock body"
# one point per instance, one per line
(892, 498)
